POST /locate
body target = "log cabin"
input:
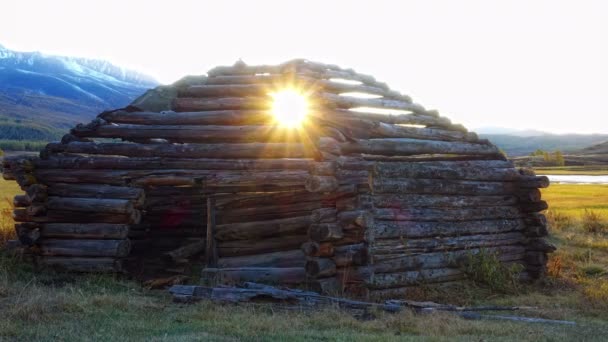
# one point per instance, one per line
(303, 173)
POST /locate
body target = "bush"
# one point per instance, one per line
(593, 222)
(486, 268)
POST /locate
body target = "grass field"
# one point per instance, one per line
(46, 306)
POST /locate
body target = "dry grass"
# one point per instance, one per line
(7, 191)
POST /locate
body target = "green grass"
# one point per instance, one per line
(38, 305)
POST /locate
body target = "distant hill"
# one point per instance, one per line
(518, 145)
(41, 96)
(595, 149)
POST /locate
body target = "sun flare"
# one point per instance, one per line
(289, 107)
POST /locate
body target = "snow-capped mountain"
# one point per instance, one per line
(61, 91)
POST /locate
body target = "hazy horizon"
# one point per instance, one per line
(519, 65)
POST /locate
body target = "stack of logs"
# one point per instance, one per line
(372, 195)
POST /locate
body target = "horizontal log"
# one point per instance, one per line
(268, 245)
(361, 218)
(540, 244)
(460, 214)
(118, 206)
(435, 275)
(21, 215)
(67, 161)
(406, 147)
(413, 230)
(37, 193)
(185, 251)
(191, 133)
(321, 183)
(354, 102)
(325, 232)
(101, 191)
(266, 212)
(440, 201)
(219, 117)
(409, 246)
(317, 249)
(396, 119)
(372, 129)
(265, 275)
(443, 170)
(27, 233)
(529, 195)
(21, 201)
(350, 255)
(402, 262)
(93, 265)
(443, 186)
(193, 104)
(293, 258)
(97, 231)
(320, 267)
(224, 90)
(534, 182)
(219, 151)
(323, 215)
(208, 178)
(261, 229)
(534, 206)
(94, 248)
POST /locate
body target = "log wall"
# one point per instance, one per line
(372, 195)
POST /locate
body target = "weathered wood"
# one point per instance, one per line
(268, 245)
(413, 230)
(405, 147)
(325, 232)
(21, 201)
(37, 193)
(267, 212)
(118, 206)
(219, 151)
(435, 275)
(443, 171)
(211, 252)
(268, 275)
(81, 264)
(323, 215)
(353, 102)
(316, 249)
(218, 117)
(136, 195)
(443, 186)
(534, 206)
(534, 182)
(85, 231)
(27, 233)
(260, 229)
(21, 215)
(440, 201)
(185, 252)
(433, 267)
(350, 255)
(408, 246)
(361, 218)
(69, 161)
(320, 267)
(94, 248)
(292, 258)
(539, 244)
(193, 104)
(321, 183)
(460, 214)
(191, 133)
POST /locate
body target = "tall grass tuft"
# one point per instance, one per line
(7, 228)
(486, 268)
(559, 221)
(593, 222)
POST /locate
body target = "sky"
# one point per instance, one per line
(522, 64)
